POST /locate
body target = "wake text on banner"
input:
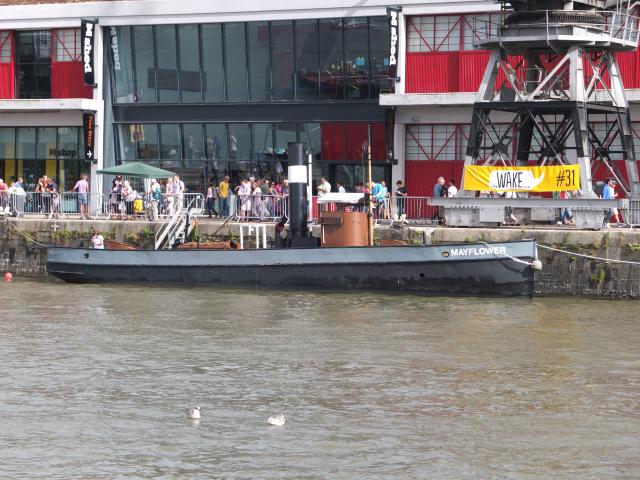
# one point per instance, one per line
(554, 178)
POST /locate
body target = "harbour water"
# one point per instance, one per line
(94, 382)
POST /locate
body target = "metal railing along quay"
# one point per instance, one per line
(270, 208)
(90, 205)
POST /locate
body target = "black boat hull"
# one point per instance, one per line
(433, 270)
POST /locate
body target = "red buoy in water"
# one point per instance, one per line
(8, 277)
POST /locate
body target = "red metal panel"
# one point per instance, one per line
(67, 81)
(472, 67)
(628, 61)
(421, 175)
(7, 79)
(427, 72)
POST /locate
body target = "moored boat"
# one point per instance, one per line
(453, 269)
(342, 259)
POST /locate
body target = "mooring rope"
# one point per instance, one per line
(535, 264)
(27, 238)
(612, 260)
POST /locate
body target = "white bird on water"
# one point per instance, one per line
(193, 412)
(278, 420)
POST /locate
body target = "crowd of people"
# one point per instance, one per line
(256, 198)
(162, 198)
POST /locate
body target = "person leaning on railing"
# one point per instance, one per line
(401, 194)
(82, 187)
(155, 197)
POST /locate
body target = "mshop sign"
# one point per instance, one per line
(87, 30)
(89, 127)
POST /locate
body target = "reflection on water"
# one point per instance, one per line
(94, 381)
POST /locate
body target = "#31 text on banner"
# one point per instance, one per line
(555, 178)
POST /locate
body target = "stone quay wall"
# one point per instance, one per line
(23, 249)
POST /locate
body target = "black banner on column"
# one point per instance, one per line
(89, 128)
(393, 14)
(87, 32)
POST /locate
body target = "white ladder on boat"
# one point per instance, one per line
(173, 230)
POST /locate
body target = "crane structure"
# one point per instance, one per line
(552, 75)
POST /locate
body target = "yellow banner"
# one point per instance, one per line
(554, 178)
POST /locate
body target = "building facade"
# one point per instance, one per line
(205, 89)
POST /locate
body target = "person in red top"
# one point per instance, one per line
(4, 195)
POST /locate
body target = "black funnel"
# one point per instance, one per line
(298, 174)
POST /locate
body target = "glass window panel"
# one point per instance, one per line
(356, 46)
(331, 59)
(357, 139)
(378, 142)
(235, 62)
(121, 64)
(239, 143)
(7, 143)
(412, 143)
(145, 137)
(285, 133)
(34, 64)
(421, 34)
(170, 146)
(126, 141)
(239, 148)
(5, 47)
(259, 76)
(482, 22)
(66, 43)
(311, 135)
(216, 149)
(333, 141)
(283, 62)
(307, 59)
(213, 71)
(26, 143)
(46, 148)
(379, 61)
(70, 174)
(193, 145)
(262, 134)
(25, 154)
(145, 66)
(190, 84)
(447, 33)
(167, 76)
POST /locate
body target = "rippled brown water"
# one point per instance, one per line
(94, 381)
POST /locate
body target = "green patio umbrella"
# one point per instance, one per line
(137, 169)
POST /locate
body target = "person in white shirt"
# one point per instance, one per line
(244, 197)
(178, 192)
(340, 188)
(452, 190)
(324, 187)
(97, 241)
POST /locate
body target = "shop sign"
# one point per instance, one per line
(555, 178)
(87, 29)
(61, 153)
(392, 15)
(88, 124)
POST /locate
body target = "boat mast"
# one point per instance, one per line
(369, 184)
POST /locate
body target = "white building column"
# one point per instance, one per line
(398, 171)
(98, 59)
(402, 54)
